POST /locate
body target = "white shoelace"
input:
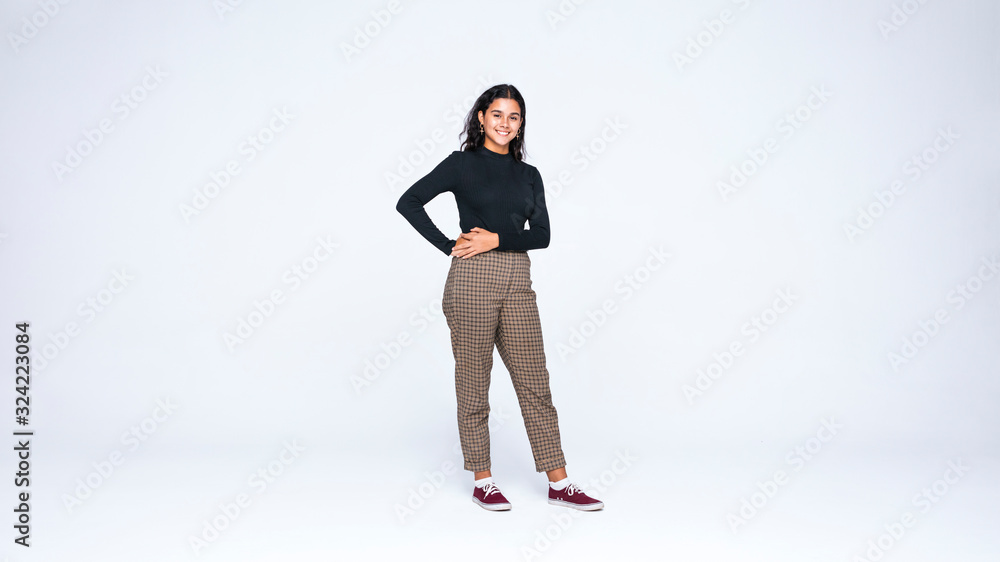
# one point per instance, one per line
(572, 488)
(490, 488)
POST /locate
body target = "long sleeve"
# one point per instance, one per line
(444, 177)
(537, 236)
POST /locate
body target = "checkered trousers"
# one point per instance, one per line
(488, 301)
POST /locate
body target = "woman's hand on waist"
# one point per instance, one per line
(476, 241)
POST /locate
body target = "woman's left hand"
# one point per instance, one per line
(476, 241)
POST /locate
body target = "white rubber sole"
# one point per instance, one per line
(588, 507)
(492, 506)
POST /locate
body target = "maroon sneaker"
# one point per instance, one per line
(573, 496)
(489, 497)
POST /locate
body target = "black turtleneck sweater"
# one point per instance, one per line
(493, 191)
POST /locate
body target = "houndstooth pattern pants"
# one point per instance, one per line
(488, 301)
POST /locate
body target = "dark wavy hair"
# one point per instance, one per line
(474, 138)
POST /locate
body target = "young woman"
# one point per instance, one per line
(488, 300)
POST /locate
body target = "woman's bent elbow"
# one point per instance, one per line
(403, 205)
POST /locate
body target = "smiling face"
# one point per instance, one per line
(501, 121)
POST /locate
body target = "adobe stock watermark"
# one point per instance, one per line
(561, 12)
(401, 177)
(31, 25)
(132, 438)
(795, 459)
(930, 327)
(585, 155)
(363, 35)
(702, 40)
(546, 537)
(390, 350)
(913, 169)
(758, 156)
(88, 309)
(121, 108)
(225, 7)
(626, 287)
(922, 501)
(292, 278)
(418, 496)
(751, 330)
(899, 16)
(257, 483)
(248, 149)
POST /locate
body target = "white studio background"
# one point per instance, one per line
(856, 421)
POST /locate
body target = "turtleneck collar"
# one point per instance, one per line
(490, 154)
